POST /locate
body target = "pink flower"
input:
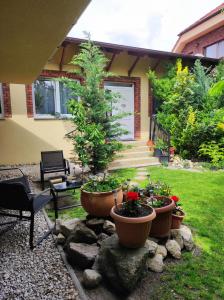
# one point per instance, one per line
(175, 198)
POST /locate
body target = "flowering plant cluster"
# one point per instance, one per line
(178, 209)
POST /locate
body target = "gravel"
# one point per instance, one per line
(37, 274)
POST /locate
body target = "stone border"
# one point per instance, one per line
(70, 270)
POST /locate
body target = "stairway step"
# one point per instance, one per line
(134, 162)
(135, 143)
(134, 154)
(112, 168)
(136, 149)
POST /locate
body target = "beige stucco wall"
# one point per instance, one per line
(22, 138)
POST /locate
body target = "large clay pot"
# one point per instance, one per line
(161, 225)
(99, 204)
(133, 232)
(177, 220)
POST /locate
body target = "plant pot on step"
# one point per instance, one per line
(164, 159)
(161, 225)
(133, 231)
(99, 204)
(157, 152)
(177, 219)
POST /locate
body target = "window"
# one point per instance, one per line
(216, 50)
(1, 102)
(51, 97)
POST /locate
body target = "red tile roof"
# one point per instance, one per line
(209, 15)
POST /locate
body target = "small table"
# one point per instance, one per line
(63, 186)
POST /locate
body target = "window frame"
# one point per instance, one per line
(57, 101)
(217, 50)
(1, 102)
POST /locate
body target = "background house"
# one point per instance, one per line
(204, 37)
(30, 122)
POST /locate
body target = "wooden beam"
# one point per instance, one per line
(133, 65)
(156, 65)
(110, 62)
(62, 57)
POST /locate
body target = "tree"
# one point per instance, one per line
(97, 130)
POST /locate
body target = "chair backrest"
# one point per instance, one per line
(52, 159)
(23, 179)
(14, 196)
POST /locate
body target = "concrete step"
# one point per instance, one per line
(135, 143)
(134, 154)
(112, 168)
(133, 162)
(136, 149)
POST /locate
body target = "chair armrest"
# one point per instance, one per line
(67, 166)
(41, 193)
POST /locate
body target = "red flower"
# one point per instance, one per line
(175, 198)
(132, 196)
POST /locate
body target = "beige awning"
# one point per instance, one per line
(30, 32)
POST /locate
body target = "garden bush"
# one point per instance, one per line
(191, 108)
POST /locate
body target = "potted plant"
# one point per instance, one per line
(177, 214)
(161, 148)
(158, 197)
(132, 220)
(97, 195)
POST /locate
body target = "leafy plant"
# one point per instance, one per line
(97, 131)
(102, 184)
(214, 151)
(190, 106)
(158, 188)
(160, 144)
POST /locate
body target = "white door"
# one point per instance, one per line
(124, 105)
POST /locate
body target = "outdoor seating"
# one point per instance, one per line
(52, 162)
(15, 194)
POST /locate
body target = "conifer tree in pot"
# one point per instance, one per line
(97, 130)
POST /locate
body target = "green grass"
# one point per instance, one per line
(202, 197)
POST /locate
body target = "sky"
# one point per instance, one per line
(152, 24)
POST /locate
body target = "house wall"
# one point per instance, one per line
(23, 137)
(198, 45)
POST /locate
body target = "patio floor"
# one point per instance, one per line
(37, 274)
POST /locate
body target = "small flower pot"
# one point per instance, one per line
(177, 220)
(99, 204)
(133, 232)
(157, 152)
(164, 159)
(161, 225)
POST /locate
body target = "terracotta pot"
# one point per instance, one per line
(161, 225)
(177, 220)
(99, 204)
(132, 232)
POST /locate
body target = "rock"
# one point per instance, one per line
(173, 248)
(120, 266)
(152, 246)
(60, 239)
(155, 263)
(176, 235)
(95, 224)
(187, 237)
(102, 236)
(57, 227)
(95, 265)
(84, 234)
(161, 250)
(82, 255)
(68, 226)
(109, 227)
(91, 278)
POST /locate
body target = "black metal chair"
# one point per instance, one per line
(52, 162)
(15, 194)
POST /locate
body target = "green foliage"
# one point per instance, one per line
(102, 184)
(160, 144)
(214, 151)
(158, 188)
(95, 138)
(190, 106)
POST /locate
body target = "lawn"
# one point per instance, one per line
(197, 277)
(202, 196)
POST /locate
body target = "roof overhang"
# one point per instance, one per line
(30, 32)
(195, 32)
